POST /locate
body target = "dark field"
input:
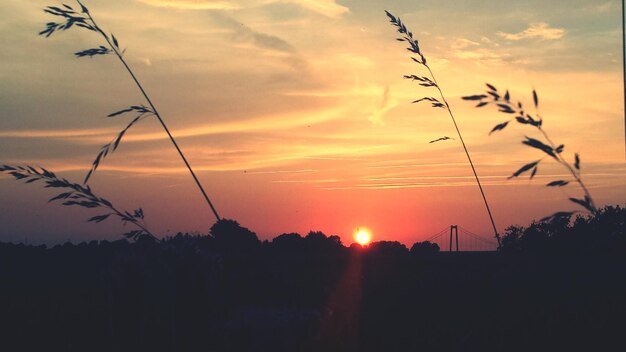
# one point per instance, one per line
(308, 294)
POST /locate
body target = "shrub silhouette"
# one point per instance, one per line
(230, 236)
(317, 241)
(387, 248)
(425, 248)
(602, 232)
(288, 242)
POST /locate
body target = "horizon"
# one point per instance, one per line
(296, 117)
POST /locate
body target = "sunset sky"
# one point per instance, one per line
(295, 115)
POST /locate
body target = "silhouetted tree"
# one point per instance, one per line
(318, 241)
(356, 247)
(231, 236)
(288, 242)
(387, 248)
(425, 247)
(335, 239)
(603, 231)
(511, 238)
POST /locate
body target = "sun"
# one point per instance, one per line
(362, 236)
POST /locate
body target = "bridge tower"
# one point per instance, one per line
(454, 229)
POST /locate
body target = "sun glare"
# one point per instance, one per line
(362, 236)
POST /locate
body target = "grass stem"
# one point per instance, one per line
(156, 113)
(469, 158)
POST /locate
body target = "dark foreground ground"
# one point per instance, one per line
(187, 295)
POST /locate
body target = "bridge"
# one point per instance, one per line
(459, 239)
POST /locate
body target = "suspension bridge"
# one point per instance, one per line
(458, 239)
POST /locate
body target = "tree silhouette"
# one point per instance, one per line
(425, 247)
(230, 236)
(391, 248)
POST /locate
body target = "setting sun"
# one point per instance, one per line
(362, 236)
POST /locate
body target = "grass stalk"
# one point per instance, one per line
(81, 196)
(517, 112)
(86, 20)
(436, 103)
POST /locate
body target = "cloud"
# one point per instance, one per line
(328, 8)
(282, 171)
(269, 44)
(486, 51)
(271, 122)
(193, 4)
(264, 123)
(488, 41)
(462, 43)
(385, 105)
(51, 134)
(241, 32)
(600, 8)
(540, 30)
(481, 54)
(245, 34)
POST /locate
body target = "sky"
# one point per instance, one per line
(296, 116)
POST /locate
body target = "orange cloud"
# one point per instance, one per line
(386, 104)
(328, 8)
(540, 30)
(266, 123)
(75, 133)
(193, 4)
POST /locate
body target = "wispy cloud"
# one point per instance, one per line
(244, 34)
(600, 8)
(384, 186)
(269, 45)
(193, 4)
(328, 8)
(306, 181)
(262, 123)
(483, 55)
(62, 134)
(483, 52)
(385, 105)
(282, 171)
(413, 165)
(539, 30)
(462, 43)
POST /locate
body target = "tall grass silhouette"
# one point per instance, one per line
(82, 196)
(441, 102)
(517, 112)
(82, 18)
